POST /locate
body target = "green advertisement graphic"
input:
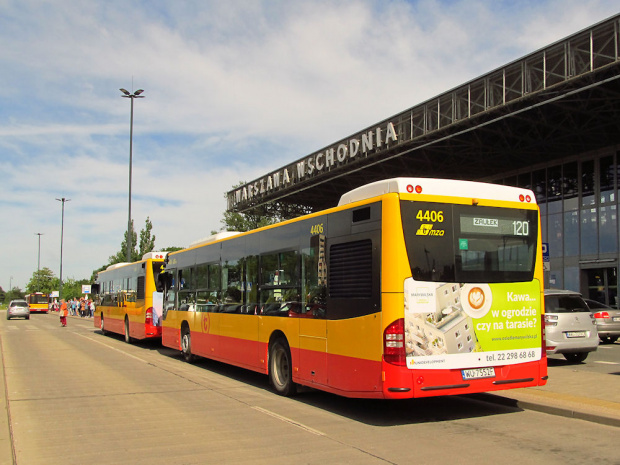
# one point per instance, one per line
(512, 320)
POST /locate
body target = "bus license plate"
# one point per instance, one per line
(576, 334)
(478, 373)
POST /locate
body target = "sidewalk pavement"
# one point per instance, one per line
(571, 393)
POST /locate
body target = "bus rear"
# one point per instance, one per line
(38, 302)
(461, 288)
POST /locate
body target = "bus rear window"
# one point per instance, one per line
(466, 243)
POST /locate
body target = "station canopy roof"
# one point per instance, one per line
(557, 102)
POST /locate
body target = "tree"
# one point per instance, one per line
(43, 280)
(121, 255)
(246, 221)
(147, 244)
(147, 240)
(15, 293)
(73, 287)
(171, 249)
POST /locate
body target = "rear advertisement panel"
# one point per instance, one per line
(457, 325)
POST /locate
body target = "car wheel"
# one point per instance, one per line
(577, 357)
(28, 317)
(281, 368)
(8, 317)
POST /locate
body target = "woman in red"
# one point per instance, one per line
(63, 312)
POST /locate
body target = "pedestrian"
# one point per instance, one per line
(63, 312)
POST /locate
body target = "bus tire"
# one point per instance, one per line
(186, 345)
(102, 326)
(281, 368)
(127, 336)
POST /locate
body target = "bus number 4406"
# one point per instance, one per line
(430, 215)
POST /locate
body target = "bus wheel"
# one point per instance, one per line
(127, 337)
(186, 345)
(102, 326)
(280, 368)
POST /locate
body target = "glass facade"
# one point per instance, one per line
(578, 200)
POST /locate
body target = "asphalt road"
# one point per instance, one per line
(74, 396)
(606, 359)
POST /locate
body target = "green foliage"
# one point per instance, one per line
(171, 249)
(246, 221)
(121, 255)
(147, 244)
(73, 287)
(15, 293)
(43, 280)
(147, 239)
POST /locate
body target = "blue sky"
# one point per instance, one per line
(232, 90)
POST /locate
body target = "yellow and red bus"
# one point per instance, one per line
(38, 302)
(129, 299)
(410, 287)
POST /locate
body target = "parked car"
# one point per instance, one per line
(607, 321)
(18, 308)
(570, 328)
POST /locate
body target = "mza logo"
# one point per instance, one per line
(427, 230)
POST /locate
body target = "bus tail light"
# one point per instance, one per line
(149, 316)
(394, 343)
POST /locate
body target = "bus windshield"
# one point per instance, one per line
(469, 243)
(39, 299)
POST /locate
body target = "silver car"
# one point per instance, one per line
(18, 308)
(607, 321)
(570, 327)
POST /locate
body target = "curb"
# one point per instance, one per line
(548, 408)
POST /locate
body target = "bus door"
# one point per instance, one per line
(312, 322)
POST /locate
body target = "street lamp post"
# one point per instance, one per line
(130, 96)
(39, 263)
(62, 228)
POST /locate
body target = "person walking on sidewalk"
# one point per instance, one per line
(63, 312)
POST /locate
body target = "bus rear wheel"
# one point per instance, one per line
(281, 368)
(127, 336)
(186, 345)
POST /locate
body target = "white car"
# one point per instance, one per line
(18, 308)
(570, 327)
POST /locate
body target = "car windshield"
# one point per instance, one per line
(565, 304)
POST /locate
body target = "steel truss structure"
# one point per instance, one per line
(557, 102)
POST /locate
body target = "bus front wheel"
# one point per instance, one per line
(186, 345)
(281, 368)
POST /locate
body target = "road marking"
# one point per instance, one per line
(110, 347)
(288, 420)
(606, 363)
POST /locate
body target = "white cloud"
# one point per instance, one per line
(232, 91)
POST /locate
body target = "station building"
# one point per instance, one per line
(549, 121)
